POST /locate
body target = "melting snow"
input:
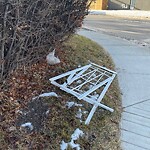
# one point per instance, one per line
(71, 104)
(28, 124)
(78, 104)
(47, 95)
(79, 81)
(77, 133)
(63, 145)
(73, 145)
(47, 112)
(79, 114)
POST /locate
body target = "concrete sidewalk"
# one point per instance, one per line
(133, 68)
(137, 14)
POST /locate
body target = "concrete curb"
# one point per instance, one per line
(123, 13)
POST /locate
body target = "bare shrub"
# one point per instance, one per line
(29, 28)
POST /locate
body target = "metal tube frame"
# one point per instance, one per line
(79, 73)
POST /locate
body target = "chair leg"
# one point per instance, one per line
(91, 115)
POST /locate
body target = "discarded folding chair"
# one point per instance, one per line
(89, 83)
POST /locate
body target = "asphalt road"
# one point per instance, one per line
(136, 31)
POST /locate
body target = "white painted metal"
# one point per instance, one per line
(93, 78)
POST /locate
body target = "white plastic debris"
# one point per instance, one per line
(63, 145)
(51, 59)
(28, 124)
(85, 112)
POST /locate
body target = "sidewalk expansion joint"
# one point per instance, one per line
(136, 103)
(136, 122)
(135, 133)
(134, 73)
(135, 145)
(137, 114)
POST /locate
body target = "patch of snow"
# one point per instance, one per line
(79, 114)
(46, 95)
(77, 133)
(28, 124)
(73, 145)
(123, 13)
(95, 96)
(85, 112)
(79, 82)
(63, 145)
(47, 112)
(76, 104)
(71, 104)
(145, 42)
(25, 113)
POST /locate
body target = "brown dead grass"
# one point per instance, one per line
(16, 93)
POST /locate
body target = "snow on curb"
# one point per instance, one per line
(123, 13)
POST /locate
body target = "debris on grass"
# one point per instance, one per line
(47, 95)
(51, 59)
(76, 104)
(28, 124)
(63, 145)
(47, 112)
(74, 145)
(79, 114)
(71, 104)
(77, 133)
(51, 122)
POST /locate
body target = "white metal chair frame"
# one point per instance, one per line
(85, 82)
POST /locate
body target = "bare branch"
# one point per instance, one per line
(30, 28)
